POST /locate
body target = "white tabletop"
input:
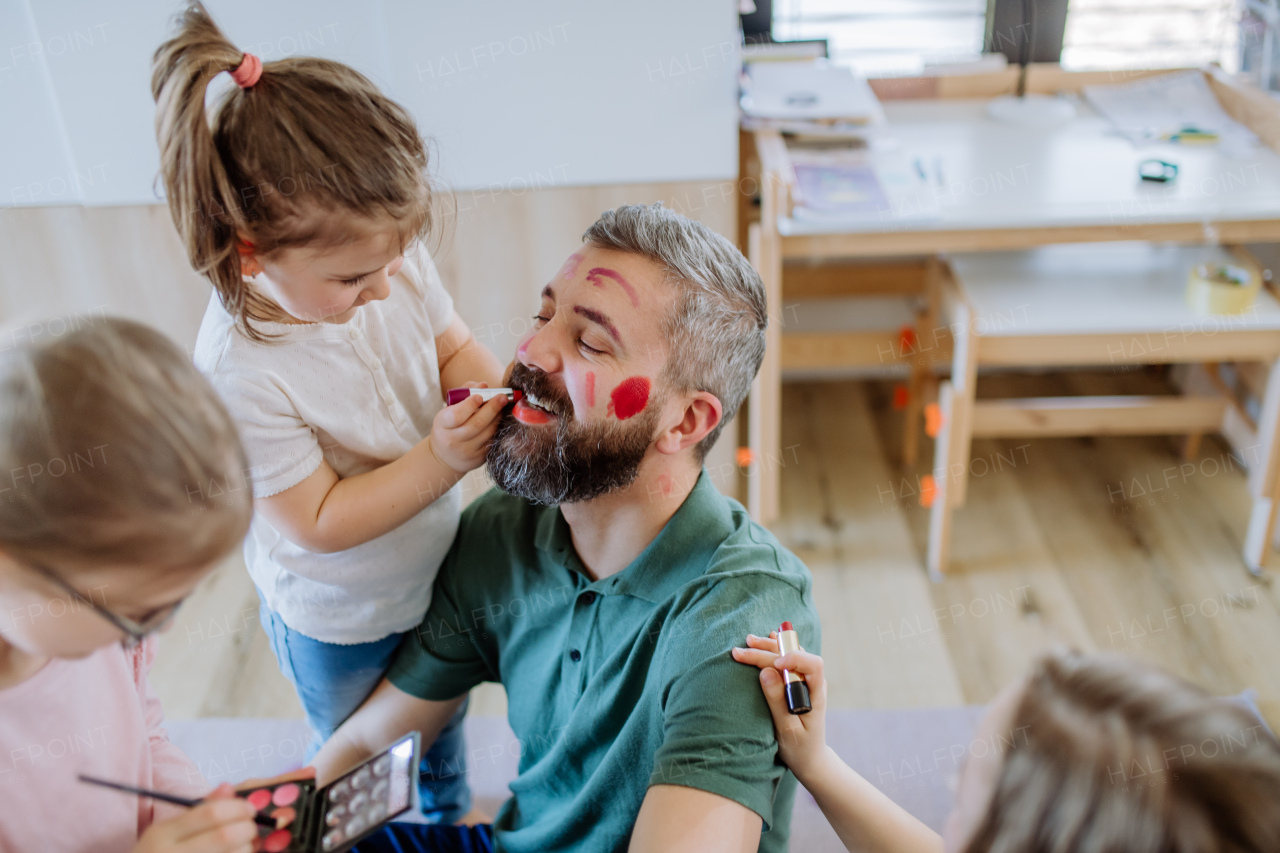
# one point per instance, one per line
(1096, 288)
(981, 174)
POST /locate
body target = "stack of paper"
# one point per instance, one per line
(1156, 108)
(809, 91)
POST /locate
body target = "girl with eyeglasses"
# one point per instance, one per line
(122, 486)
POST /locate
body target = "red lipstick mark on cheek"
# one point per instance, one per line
(629, 398)
(591, 389)
(570, 268)
(596, 273)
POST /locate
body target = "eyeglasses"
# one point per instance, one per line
(135, 632)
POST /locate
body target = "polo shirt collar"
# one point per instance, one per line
(678, 554)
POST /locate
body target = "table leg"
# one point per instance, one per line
(1264, 482)
(921, 364)
(765, 403)
(940, 511)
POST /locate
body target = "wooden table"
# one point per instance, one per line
(1002, 187)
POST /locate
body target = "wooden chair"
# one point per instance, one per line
(1099, 304)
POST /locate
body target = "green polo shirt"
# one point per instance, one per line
(617, 684)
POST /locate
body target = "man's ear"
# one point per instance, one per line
(702, 413)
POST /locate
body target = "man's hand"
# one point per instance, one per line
(802, 738)
(673, 817)
(387, 715)
(223, 823)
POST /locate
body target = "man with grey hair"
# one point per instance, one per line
(606, 583)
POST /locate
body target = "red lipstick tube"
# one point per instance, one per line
(797, 688)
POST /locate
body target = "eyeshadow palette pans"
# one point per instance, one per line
(333, 818)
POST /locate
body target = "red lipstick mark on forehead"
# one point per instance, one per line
(629, 398)
(595, 274)
(570, 268)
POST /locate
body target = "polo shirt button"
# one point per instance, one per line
(588, 597)
(575, 655)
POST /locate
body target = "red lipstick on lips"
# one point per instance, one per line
(531, 415)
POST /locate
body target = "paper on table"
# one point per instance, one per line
(810, 91)
(840, 190)
(858, 188)
(1147, 110)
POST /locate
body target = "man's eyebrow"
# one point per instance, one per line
(599, 319)
(548, 293)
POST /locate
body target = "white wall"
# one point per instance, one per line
(516, 94)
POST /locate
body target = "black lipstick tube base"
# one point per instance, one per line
(798, 698)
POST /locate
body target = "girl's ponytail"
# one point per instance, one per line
(202, 200)
(309, 154)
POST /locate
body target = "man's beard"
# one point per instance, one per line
(573, 462)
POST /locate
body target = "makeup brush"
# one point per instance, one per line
(260, 819)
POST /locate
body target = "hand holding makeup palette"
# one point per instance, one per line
(331, 819)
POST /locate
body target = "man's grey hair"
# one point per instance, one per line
(715, 330)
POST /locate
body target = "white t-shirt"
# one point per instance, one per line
(357, 395)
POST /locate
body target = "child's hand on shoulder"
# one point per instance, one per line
(802, 738)
(460, 433)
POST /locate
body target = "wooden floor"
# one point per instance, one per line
(1106, 544)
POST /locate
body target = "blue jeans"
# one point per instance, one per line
(416, 838)
(332, 680)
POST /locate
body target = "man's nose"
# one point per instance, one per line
(540, 350)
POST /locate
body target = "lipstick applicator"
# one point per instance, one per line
(797, 688)
(457, 395)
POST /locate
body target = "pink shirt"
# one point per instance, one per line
(97, 715)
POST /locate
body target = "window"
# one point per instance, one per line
(886, 38)
(1151, 34)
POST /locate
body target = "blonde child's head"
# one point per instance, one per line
(124, 483)
(310, 180)
(1106, 753)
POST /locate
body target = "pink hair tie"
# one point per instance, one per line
(248, 71)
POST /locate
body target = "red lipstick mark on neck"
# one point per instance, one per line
(570, 268)
(591, 389)
(596, 273)
(629, 398)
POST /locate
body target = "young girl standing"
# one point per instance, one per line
(332, 340)
(108, 436)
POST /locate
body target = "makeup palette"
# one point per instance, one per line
(333, 818)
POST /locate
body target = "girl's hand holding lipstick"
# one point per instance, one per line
(802, 742)
(862, 815)
(460, 433)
